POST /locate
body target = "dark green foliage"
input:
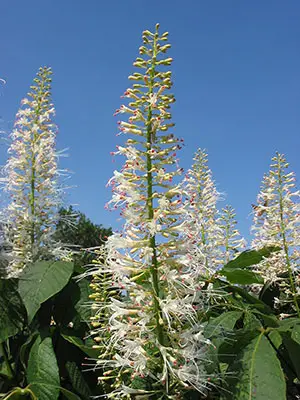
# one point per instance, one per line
(42, 370)
(44, 322)
(12, 310)
(255, 373)
(258, 353)
(238, 270)
(42, 280)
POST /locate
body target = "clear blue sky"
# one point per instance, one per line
(236, 74)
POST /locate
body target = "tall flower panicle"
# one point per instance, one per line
(32, 177)
(277, 223)
(151, 341)
(201, 204)
(232, 243)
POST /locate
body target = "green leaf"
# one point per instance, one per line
(242, 295)
(222, 324)
(81, 307)
(69, 395)
(78, 383)
(268, 319)
(289, 325)
(42, 280)
(70, 305)
(251, 257)
(218, 330)
(5, 373)
(256, 373)
(269, 292)
(42, 371)
(92, 353)
(251, 322)
(24, 349)
(275, 338)
(293, 350)
(12, 310)
(296, 333)
(236, 342)
(241, 276)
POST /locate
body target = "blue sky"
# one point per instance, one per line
(236, 80)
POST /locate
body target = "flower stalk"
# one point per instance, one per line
(152, 243)
(201, 203)
(150, 335)
(276, 223)
(32, 178)
(232, 242)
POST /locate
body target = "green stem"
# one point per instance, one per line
(33, 170)
(227, 231)
(152, 242)
(284, 241)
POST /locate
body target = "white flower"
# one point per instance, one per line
(150, 261)
(32, 176)
(276, 223)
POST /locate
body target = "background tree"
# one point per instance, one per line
(80, 234)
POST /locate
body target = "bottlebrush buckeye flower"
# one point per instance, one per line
(232, 243)
(276, 222)
(32, 178)
(201, 198)
(212, 230)
(149, 336)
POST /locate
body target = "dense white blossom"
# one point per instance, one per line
(277, 223)
(233, 243)
(201, 198)
(214, 232)
(32, 178)
(150, 330)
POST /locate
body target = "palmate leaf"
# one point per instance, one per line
(42, 280)
(256, 373)
(42, 371)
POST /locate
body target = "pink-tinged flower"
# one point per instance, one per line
(276, 222)
(202, 226)
(151, 329)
